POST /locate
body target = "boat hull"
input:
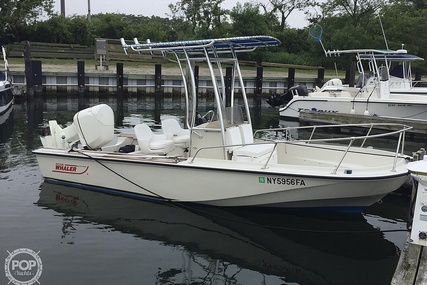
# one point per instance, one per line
(209, 182)
(6, 96)
(385, 108)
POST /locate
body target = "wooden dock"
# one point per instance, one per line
(412, 266)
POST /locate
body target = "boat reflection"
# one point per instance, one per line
(294, 248)
(6, 125)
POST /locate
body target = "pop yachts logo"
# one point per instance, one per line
(23, 266)
(70, 168)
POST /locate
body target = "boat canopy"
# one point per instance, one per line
(378, 57)
(215, 54)
(393, 56)
(244, 44)
(377, 52)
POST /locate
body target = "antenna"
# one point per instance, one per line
(382, 29)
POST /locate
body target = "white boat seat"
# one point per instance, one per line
(250, 151)
(247, 133)
(254, 150)
(150, 143)
(233, 138)
(173, 131)
(243, 147)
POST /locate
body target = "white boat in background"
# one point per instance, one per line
(221, 162)
(384, 89)
(6, 87)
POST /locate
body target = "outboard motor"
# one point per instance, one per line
(276, 100)
(300, 90)
(93, 127)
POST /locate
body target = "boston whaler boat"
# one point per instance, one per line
(6, 87)
(221, 162)
(384, 88)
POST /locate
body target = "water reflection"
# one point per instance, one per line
(6, 125)
(234, 246)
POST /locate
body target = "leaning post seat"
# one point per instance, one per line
(173, 131)
(251, 151)
(150, 143)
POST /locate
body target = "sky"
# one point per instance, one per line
(148, 8)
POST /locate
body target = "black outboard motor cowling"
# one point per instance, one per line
(276, 100)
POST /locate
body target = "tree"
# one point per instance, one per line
(247, 20)
(15, 16)
(284, 8)
(358, 12)
(110, 25)
(202, 14)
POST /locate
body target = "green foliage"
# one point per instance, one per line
(247, 20)
(16, 16)
(59, 29)
(346, 25)
(202, 15)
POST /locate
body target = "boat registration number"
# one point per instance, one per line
(282, 181)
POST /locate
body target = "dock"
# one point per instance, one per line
(412, 266)
(312, 118)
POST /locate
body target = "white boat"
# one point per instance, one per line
(386, 89)
(6, 87)
(221, 162)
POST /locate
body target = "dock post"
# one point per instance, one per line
(81, 77)
(120, 113)
(81, 81)
(158, 94)
(228, 78)
(119, 68)
(258, 87)
(28, 70)
(417, 77)
(351, 74)
(347, 76)
(256, 117)
(291, 77)
(320, 80)
(36, 66)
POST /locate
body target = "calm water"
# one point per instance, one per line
(84, 237)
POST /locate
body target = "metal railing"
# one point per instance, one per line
(313, 130)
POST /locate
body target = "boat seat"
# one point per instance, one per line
(173, 131)
(252, 151)
(244, 148)
(233, 138)
(246, 133)
(150, 143)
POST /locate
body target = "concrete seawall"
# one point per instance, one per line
(141, 79)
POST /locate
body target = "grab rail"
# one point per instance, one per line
(400, 140)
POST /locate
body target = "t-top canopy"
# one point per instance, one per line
(222, 44)
(379, 54)
(393, 56)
